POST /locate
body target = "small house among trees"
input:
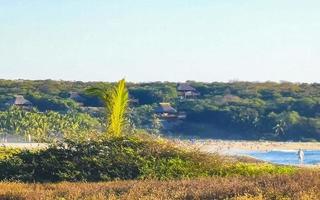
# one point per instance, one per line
(165, 110)
(19, 101)
(185, 91)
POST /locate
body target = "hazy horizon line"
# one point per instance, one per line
(161, 81)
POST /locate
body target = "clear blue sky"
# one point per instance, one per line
(159, 40)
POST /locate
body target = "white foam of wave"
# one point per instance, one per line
(292, 150)
(286, 150)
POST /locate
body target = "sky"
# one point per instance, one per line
(167, 40)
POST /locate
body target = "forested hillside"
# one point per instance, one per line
(234, 110)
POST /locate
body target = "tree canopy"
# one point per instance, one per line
(247, 110)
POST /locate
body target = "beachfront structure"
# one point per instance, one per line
(165, 110)
(19, 101)
(185, 91)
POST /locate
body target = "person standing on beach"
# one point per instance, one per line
(300, 156)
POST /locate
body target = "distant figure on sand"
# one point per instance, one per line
(192, 140)
(300, 156)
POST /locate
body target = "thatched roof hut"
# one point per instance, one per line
(19, 100)
(185, 91)
(165, 108)
(185, 87)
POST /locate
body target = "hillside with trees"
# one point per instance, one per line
(234, 110)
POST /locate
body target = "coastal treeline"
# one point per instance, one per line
(234, 110)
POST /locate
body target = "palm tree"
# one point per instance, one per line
(279, 129)
(116, 101)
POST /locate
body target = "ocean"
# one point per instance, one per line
(287, 157)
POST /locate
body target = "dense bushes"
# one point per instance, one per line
(122, 158)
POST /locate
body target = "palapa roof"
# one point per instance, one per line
(185, 87)
(19, 100)
(165, 108)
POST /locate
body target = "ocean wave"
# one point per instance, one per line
(285, 150)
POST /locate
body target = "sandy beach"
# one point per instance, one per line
(213, 146)
(224, 146)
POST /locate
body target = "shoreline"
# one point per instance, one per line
(241, 148)
(212, 146)
(218, 146)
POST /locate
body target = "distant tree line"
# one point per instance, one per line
(251, 110)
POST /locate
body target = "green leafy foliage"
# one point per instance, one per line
(117, 106)
(116, 100)
(45, 125)
(123, 158)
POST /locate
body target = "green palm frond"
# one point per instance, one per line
(116, 100)
(117, 106)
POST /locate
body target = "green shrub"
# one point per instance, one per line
(122, 158)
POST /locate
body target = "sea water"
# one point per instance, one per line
(287, 157)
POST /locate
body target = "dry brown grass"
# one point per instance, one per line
(304, 186)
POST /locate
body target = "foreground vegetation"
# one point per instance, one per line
(304, 185)
(122, 158)
(145, 167)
